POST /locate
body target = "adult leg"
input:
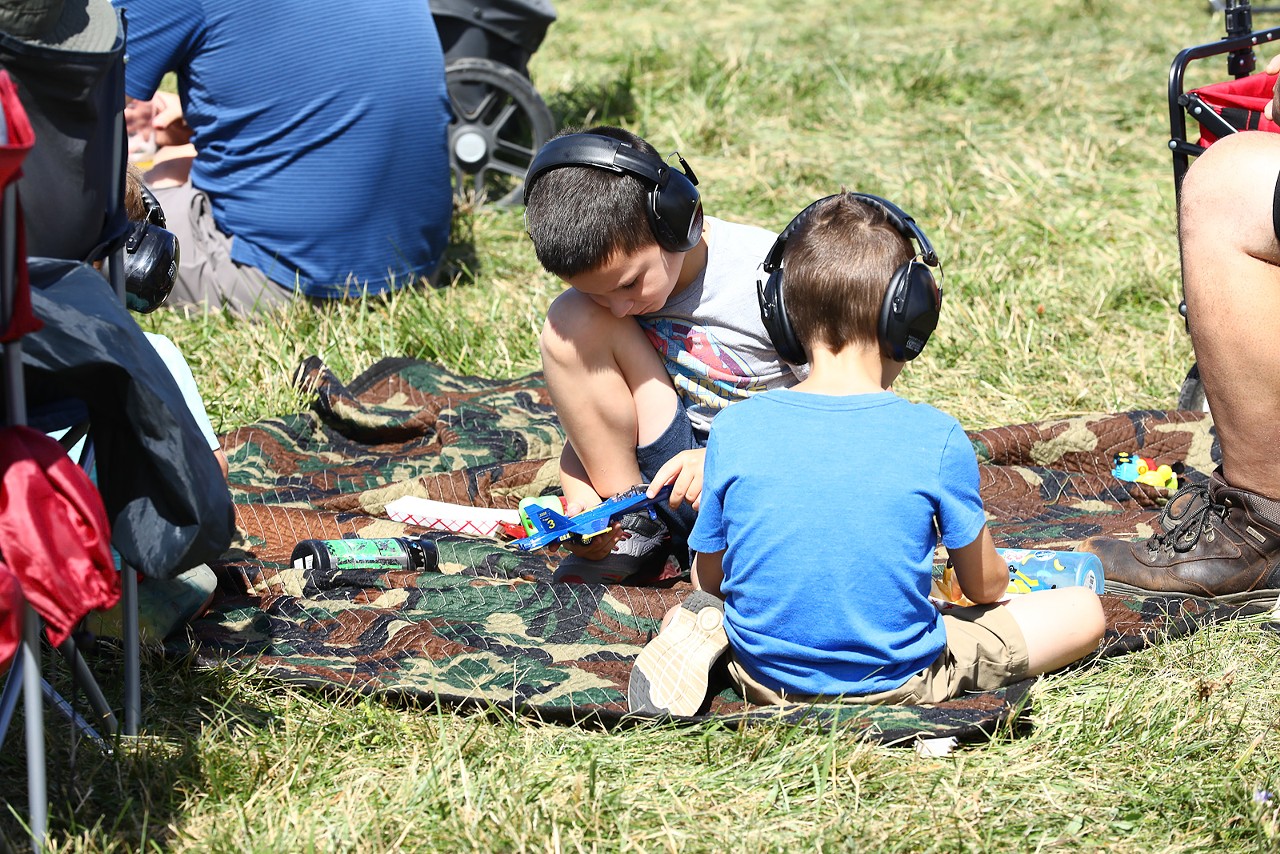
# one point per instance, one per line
(1223, 540)
(1231, 279)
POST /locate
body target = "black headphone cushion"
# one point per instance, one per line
(151, 266)
(773, 314)
(675, 213)
(910, 311)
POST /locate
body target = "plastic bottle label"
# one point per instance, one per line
(1043, 569)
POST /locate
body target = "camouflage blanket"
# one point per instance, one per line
(489, 629)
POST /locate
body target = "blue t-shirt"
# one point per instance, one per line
(826, 507)
(322, 131)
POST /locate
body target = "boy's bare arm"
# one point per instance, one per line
(983, 576)
(708, 572)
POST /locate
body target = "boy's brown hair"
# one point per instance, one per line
(580, 217)
(839, 260)
(134, 206)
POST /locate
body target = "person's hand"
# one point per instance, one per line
(157, 121)
(599, 546)
(1272, 109)
(684, 473)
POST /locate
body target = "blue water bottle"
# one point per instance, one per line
(1042, 569)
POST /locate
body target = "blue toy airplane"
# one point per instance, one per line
(551, 526)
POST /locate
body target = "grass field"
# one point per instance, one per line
(1029, 141)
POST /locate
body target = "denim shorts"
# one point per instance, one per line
(679, 436)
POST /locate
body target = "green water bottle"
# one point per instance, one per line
(358, 553)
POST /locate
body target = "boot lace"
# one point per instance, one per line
(1187, 526)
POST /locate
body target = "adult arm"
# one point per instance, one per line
(163, 35)
(1272, 109)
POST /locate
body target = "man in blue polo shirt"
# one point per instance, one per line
(320, 131)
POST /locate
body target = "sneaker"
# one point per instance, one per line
(1214, 542)
(671, 674)
(643, 552)
(164, 605)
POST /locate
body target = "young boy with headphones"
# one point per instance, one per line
(658, 331)
(822, 505)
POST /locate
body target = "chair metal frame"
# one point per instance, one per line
(24, 675)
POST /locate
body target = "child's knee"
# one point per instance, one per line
(1082, 607)
(1089, 606)
(576, 327)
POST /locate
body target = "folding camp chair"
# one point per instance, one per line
(163, 491)
(1217, 110)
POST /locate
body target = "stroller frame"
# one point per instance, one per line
(499, 119)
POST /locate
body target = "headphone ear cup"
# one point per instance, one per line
(151, 266)
(773, 314)
(909, 313)
(675, 213)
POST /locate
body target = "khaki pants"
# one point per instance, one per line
(206, 273)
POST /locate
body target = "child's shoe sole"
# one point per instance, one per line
(671, 674)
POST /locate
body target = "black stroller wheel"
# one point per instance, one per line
(500, 121)
(1191, 395)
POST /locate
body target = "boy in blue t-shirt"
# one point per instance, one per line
(822, 504)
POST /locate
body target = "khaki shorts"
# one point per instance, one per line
(985, 650)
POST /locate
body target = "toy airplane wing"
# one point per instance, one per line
(551, 526)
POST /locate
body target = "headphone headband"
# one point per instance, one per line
(902, 222)
(155, 213)
(602, 152)
(673, 205)
(912, 299)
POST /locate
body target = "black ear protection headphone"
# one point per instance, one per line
(151, 259)
(911, 304)
(674, 208)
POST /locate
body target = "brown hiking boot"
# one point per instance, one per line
(1214, 542)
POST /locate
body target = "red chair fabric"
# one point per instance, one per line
(53, 532)
(1240, 102)
(20, 139)
(10, 616)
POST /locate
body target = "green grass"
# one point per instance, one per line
(1029, 141)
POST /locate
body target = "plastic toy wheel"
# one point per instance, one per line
(500, 122)
(1191, 395)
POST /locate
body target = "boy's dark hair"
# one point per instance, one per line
(839, 262)
(579, 217)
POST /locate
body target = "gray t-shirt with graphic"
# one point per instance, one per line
(710, 335)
